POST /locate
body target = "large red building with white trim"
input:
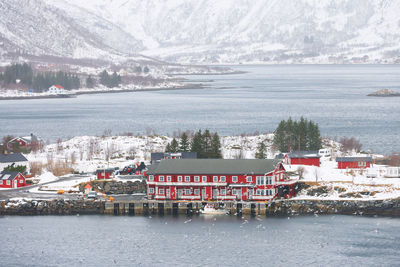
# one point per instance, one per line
(218, 179)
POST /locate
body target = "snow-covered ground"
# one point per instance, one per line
(88, 153)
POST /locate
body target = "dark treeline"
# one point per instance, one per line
(41, 81)
(207, 145)
(110, 80)
(294, 135)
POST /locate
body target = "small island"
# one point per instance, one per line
(384, 93)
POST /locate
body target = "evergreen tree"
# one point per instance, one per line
(260, 154)
(104, 78)
(146, 70)
(184, 143)
(206, 138)
(168, 148)
(138, 69)
(89, 82)
(115, 80)
(174, 146)
(17, 168)
(197, 144)
(216, 146)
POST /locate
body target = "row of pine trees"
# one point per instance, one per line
(206, 144)
(43, 80)
(40, 81)
(292, 135)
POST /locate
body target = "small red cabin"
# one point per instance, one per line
(12, 180)
(105, 173)
(354, 162)
(310, 158)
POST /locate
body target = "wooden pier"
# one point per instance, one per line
(153, 207)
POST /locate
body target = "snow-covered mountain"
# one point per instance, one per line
(207, 31)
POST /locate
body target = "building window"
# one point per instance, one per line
(222, 179)
(215, 179)
(187, 178)
(179, 178)
(151, 190)
(197, 179)
(223, 192)
(197, 191)
(151, 177)
(249, 179)
(204, 178)
(362, 164)
(234, 179)
(168, 178)
(258, 192)
(187, 191)
(8, 182)
(161, 178)
(161, 191)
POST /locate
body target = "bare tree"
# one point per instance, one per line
(350, 144)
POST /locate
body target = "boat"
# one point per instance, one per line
(210, 209)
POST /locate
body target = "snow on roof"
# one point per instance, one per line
(8, 175)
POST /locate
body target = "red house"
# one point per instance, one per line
(104, 173)
(218, 179)
(12, 180)
(354, 162)
(310, 158)
(25, 141)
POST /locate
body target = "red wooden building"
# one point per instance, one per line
(25, 141)
(218, 179)
(12, 180)
(104, 173)
(310, 158)
(354, 162)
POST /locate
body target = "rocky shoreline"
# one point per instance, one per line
(389, 208)
(384, 93)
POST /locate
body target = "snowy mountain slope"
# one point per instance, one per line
(257, 30)
(223, 31)
(33, 27)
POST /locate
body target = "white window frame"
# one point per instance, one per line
(258, 192)
(161, 178)
(151, 190)
(187, 192)
(8, 182)
(234, 179)
(151, 177)
(215, 179)
(161, 191)
(249, 179)
(197, 179)
(187, 178)
(204, 179)
(169, 178)
(222, 179)
(179, 178)
(222, 192)
(197, 191)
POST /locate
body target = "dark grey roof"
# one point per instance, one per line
(16, 157)
(215, 166)
(8, 175)
(352, 159)
(304, 154)
(105, 170)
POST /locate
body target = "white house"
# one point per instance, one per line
(56, 90)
